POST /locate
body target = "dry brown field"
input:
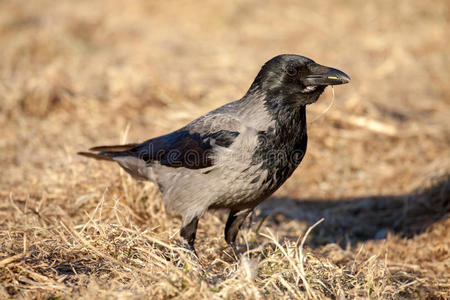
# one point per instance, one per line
(75, 74)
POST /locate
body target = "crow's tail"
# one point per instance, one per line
(108, 152)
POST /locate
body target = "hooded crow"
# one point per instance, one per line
(237, 155)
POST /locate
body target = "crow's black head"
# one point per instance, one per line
(295, 79)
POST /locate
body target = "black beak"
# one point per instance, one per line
(321, 75)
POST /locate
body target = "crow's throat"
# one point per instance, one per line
(282, 146)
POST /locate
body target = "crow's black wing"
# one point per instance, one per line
(190, 147)
(183, 148)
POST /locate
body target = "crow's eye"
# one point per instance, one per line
(291, 70)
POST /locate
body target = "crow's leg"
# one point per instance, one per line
(234, 223)
(188, 232)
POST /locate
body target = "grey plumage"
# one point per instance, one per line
(236, 156)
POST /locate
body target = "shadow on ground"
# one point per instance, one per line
(353, 220)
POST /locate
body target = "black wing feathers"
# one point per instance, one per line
(177, 149)
(184, 149)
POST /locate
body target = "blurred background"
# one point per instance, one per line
(76, 74)
(73, 75)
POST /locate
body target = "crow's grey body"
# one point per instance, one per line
(237, 155)
(232, 180)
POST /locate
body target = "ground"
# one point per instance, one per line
(80, 74)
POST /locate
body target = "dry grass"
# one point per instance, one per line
(78, 74)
